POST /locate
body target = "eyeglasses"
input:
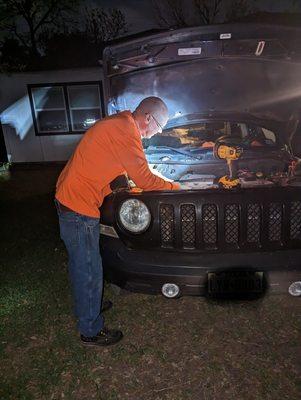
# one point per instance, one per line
(160, 127)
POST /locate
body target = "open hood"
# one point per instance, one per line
(243, 69)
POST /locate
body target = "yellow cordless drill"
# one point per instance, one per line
(226, 149)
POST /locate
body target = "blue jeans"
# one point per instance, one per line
(81, 237)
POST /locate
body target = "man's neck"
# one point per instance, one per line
(137, 123)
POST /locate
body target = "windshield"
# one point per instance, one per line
(187, 139)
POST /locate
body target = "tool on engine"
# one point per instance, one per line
(225, 148)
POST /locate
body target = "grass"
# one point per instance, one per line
(173, 349)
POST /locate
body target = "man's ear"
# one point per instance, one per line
(147, 118)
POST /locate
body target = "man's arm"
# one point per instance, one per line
(131, 155)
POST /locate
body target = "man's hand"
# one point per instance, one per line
(155, 172)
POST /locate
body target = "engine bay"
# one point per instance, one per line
(188, 155)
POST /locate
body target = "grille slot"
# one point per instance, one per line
(253, 223)
(188, 225)
(209, 219)
(231, 223)
(295, 220)
(275, 222)
(167, 229)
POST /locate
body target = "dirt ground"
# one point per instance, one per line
(189, 348)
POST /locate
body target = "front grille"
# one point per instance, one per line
(231, 223)
(275, 222)
(167, 225)
(253, 222)
(209, 223)
(295, 226)
(213, 226)
(188, 225)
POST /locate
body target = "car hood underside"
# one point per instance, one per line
(252, 70)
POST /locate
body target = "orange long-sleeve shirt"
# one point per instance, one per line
(108, 149)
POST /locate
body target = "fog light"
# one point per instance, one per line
(295, 289)
(170, 290)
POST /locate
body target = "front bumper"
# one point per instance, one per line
(146, 271)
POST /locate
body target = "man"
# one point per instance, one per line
(110, 148)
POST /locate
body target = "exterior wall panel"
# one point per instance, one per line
(21, 141)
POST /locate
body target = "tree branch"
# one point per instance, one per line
(45, 16)
(13, 28)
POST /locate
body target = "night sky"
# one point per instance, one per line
(140, 14)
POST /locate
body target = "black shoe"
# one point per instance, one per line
(106, 305)
(105, 337)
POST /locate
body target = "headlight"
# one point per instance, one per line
(134, 216)
(295, 288)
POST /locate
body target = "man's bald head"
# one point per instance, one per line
(151, 116)
(156, 107)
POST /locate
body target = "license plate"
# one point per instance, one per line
(235, 282)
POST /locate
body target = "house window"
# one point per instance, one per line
(50, 109)
(65, 108)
